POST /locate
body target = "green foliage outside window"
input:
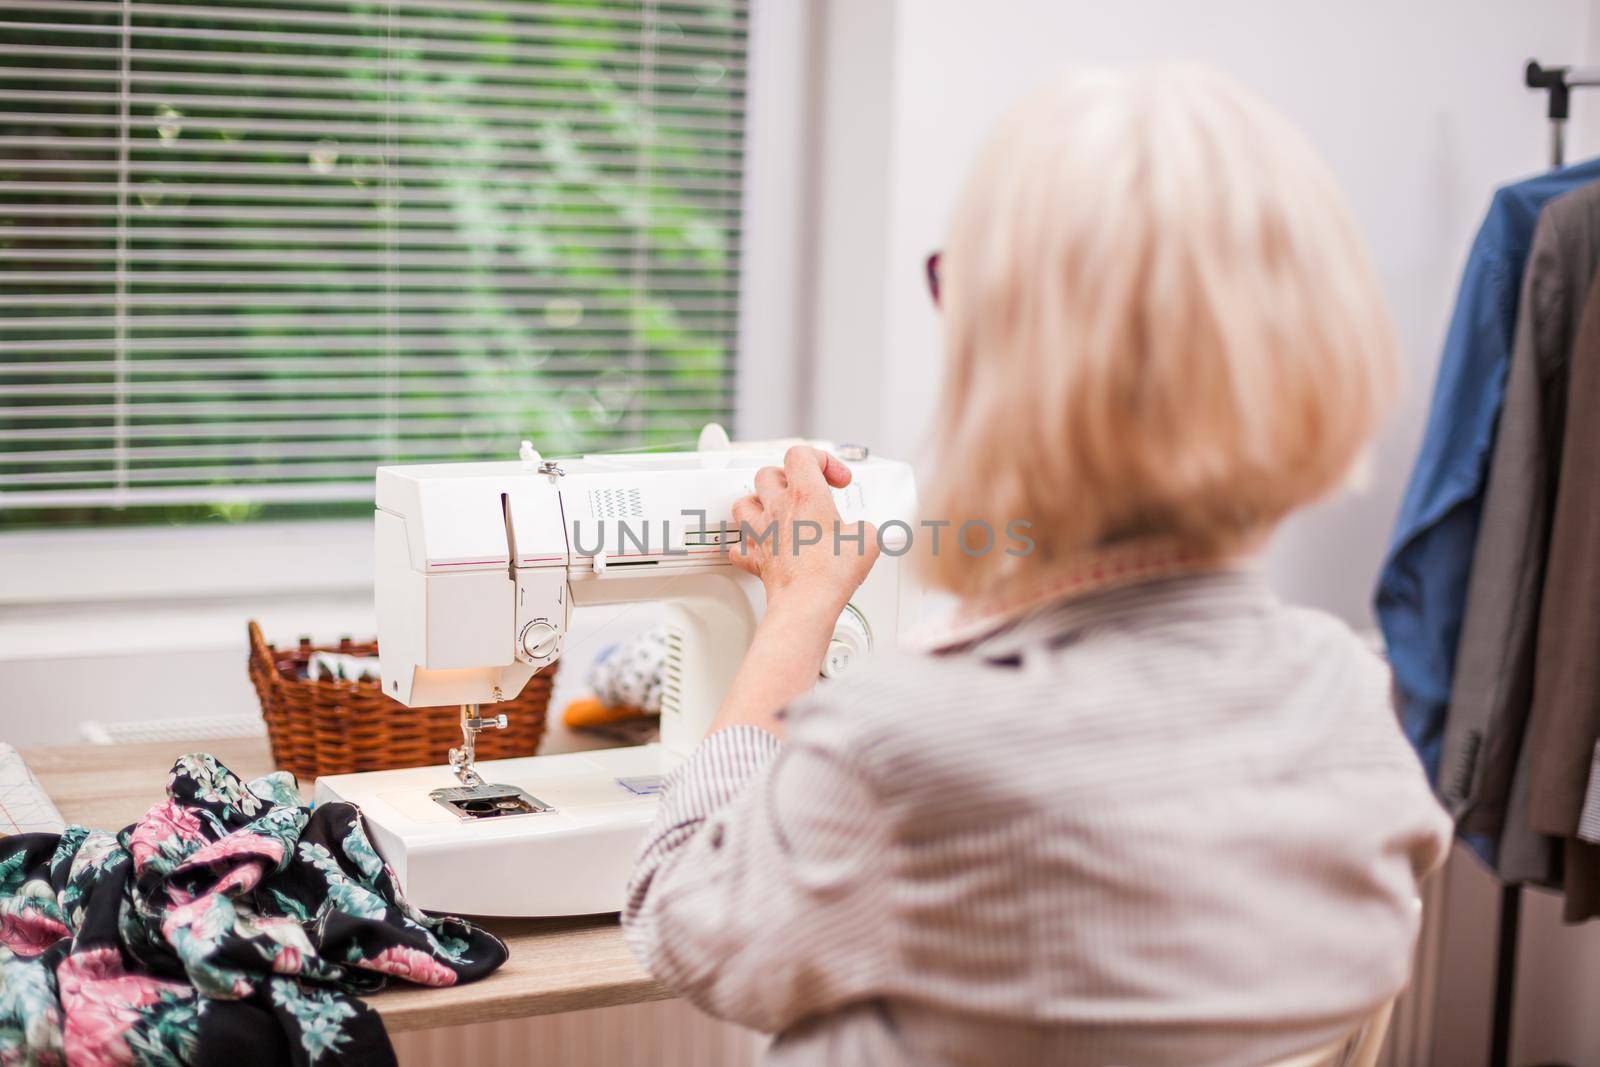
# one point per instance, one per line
(247, 255)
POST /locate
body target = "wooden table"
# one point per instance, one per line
(556, 964)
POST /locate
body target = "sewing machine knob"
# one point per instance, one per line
(837, 661)
(851, 639)
(540, 640)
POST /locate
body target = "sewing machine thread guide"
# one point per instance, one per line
(487, 801)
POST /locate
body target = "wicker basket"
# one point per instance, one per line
(337, 727)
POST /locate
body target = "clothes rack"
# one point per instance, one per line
(1558, 83)
(1505, 974)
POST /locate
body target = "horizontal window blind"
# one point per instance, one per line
(251, 250)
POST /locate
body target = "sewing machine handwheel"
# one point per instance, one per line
(851, 638)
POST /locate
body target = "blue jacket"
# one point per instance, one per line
(1422, 589)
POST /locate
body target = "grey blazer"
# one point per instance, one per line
(1564, 722)
(1485, 777)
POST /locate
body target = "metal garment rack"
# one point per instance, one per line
(1558, 82)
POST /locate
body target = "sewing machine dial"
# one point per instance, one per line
(540, 640)
(851, 640)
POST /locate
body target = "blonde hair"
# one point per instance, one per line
(1160, 324)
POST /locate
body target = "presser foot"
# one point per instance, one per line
(473, 798)
(463, 759)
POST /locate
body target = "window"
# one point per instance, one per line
(251, 250)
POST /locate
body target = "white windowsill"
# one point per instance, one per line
(95, 633)
(91, 594)
(60, 567)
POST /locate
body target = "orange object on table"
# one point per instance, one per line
(588, 713)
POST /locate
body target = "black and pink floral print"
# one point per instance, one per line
(229, 925)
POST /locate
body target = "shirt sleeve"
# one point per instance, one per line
(760, 894)
(1421, 592)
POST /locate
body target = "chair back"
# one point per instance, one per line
(1359, 1049)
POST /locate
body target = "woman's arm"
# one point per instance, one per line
(807, 586)
(759, 893)
(780, 665)
(762, 891)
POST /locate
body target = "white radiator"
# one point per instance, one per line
(184, 728)
(1410, 1040)
(664, 1033)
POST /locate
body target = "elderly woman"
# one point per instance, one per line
(1136, 810)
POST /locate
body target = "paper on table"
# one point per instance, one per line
(24, 807)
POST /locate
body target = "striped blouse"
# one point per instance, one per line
(1172, 823)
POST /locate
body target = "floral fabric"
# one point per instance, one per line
(229, 925)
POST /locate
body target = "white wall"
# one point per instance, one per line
(1418, 107)
(1420, 111)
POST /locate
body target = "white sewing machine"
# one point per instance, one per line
(479, 566)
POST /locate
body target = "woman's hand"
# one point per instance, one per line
(809, 571)
(792, 537)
